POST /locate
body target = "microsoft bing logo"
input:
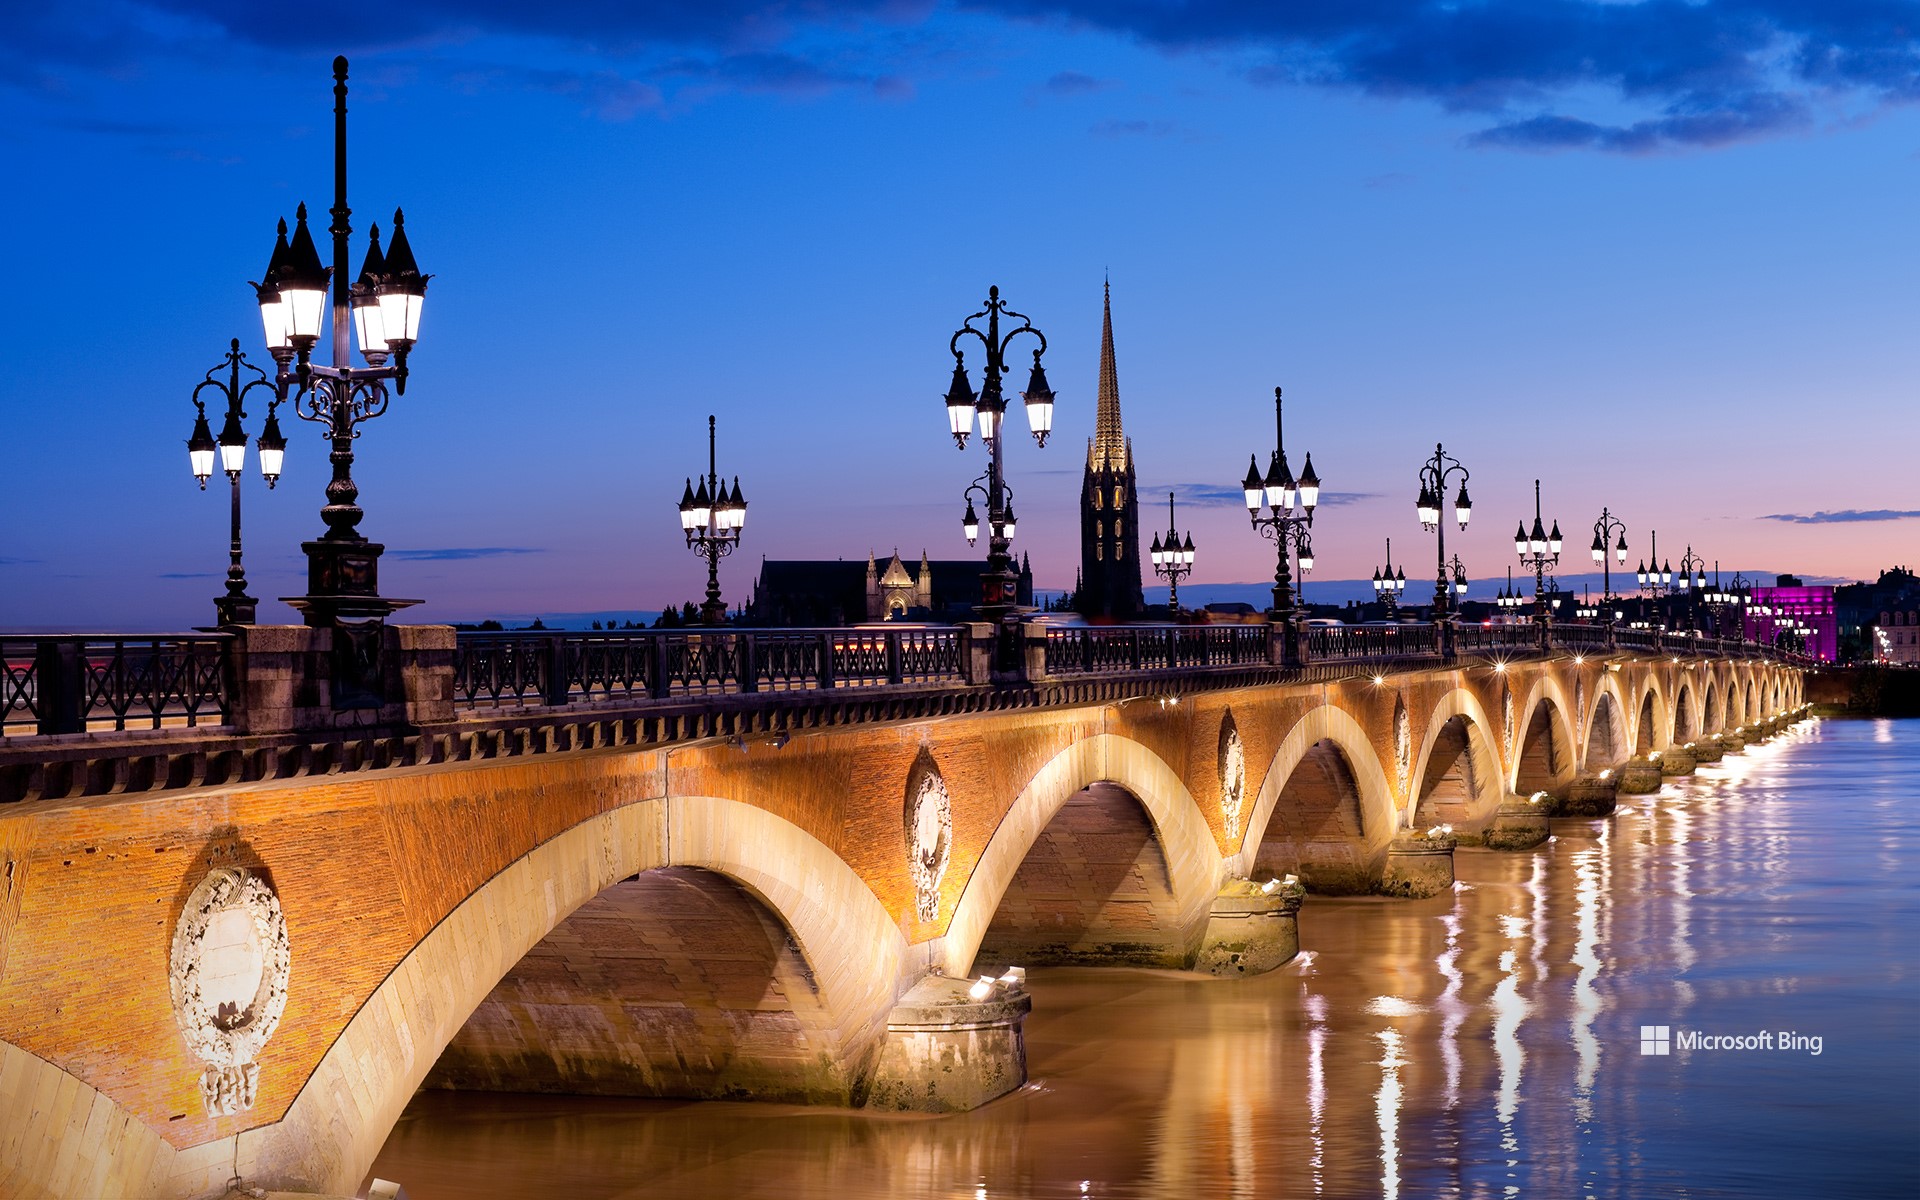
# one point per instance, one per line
(1654, 1039)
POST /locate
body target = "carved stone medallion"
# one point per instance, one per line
(229, 981)
(929, 821)
(1233, 777)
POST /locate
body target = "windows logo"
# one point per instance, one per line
(1655, 1039)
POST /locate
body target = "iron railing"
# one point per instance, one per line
(498, 669)
(1109, 649)
(82, 683)
(1371, 641)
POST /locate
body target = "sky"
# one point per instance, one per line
(1659, 255)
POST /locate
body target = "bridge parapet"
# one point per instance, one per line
(94, 715)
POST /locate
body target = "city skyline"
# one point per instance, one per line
(1694, 316)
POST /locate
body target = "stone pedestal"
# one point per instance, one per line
(1594, 795)
(947, 1052)
(1706, 750)
(1418, 865)
(1251, 929)
(1731, 743)
(1640, 775)
(1675, 760)
(1520, 823)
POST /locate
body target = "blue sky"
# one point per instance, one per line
(1659, 254)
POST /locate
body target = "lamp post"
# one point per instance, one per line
(1653, 579)
(1693, 578)
(1389, 584)
(1459, 577)
(382, 309)
(1289, 520)
(1434, 474)
(1173, 559)
(1510, 598)
(1538, 549)
(1608, 527)
(1730, 599)
(998, 584)
(712, 519)
(236, 607)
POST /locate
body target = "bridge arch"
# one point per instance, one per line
(1544, 753)
(1326, 809)
(1710, 709)
(342, 1116)
(1457, 778)
(1606, 742)
(1650, 719)
(1686, 725)
(1192, 856)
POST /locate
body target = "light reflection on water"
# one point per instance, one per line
(1484, 1043)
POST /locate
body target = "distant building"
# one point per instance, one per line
(1109, 587)
(1896, 639)
(841, 592)
(1790, 601)
(1865, 608)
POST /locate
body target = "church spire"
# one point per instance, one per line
(1109, 450)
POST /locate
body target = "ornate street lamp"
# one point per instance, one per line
(1509, 598)
(1538, 549)
(1459, 577)
(236, 607)
(1608, 526)
(1388, 584)
(1434, 474)
(1289, 523)
(382, 308)
(1727, 601)
(999, 585)
(1173, 558)
(1653, 579)
(712, 519)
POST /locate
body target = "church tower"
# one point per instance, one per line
(1109, 509)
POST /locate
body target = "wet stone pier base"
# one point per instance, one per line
(947, 1052)
(1418, 866)
(1595, 795)
(1520, 823)
(1253, 928)
(1676, 760)
(1637, 777)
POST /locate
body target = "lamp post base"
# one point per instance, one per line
(343, 584)
(235, 610)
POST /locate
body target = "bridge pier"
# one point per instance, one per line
(1418, 865)
(1638, 776)
(1594, 795)
(952, 1045)
(1676, 761)
(1253, 928)
(1706, 750)
(1520, 823)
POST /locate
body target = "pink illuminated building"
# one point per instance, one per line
(1772, 611)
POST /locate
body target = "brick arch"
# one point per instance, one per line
(1607, 725)
(1711, 718)
(1456, 777)
(1192, 857)
(343, 1114)
(1686, 719)
(1544, 751)
(1344, 774)
(1650, 717)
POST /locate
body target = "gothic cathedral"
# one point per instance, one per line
(1109, 510)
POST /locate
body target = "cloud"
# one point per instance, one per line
(460, 553)
(1074, 83)
(1844, 516)
(1213, 495)
(1711, 73)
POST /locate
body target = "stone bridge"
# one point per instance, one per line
(233, 949)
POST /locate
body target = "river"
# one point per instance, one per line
(1500, 1041)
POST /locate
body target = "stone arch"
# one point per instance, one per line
(342, 1116)
(1650, 721)
(1316, 829)
(1710, 710)
(1685, 726)
(1346, 784)
(1606, 742)
(1193, 861)
(1748, 714)
(1544, 756)
(1458, 780)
